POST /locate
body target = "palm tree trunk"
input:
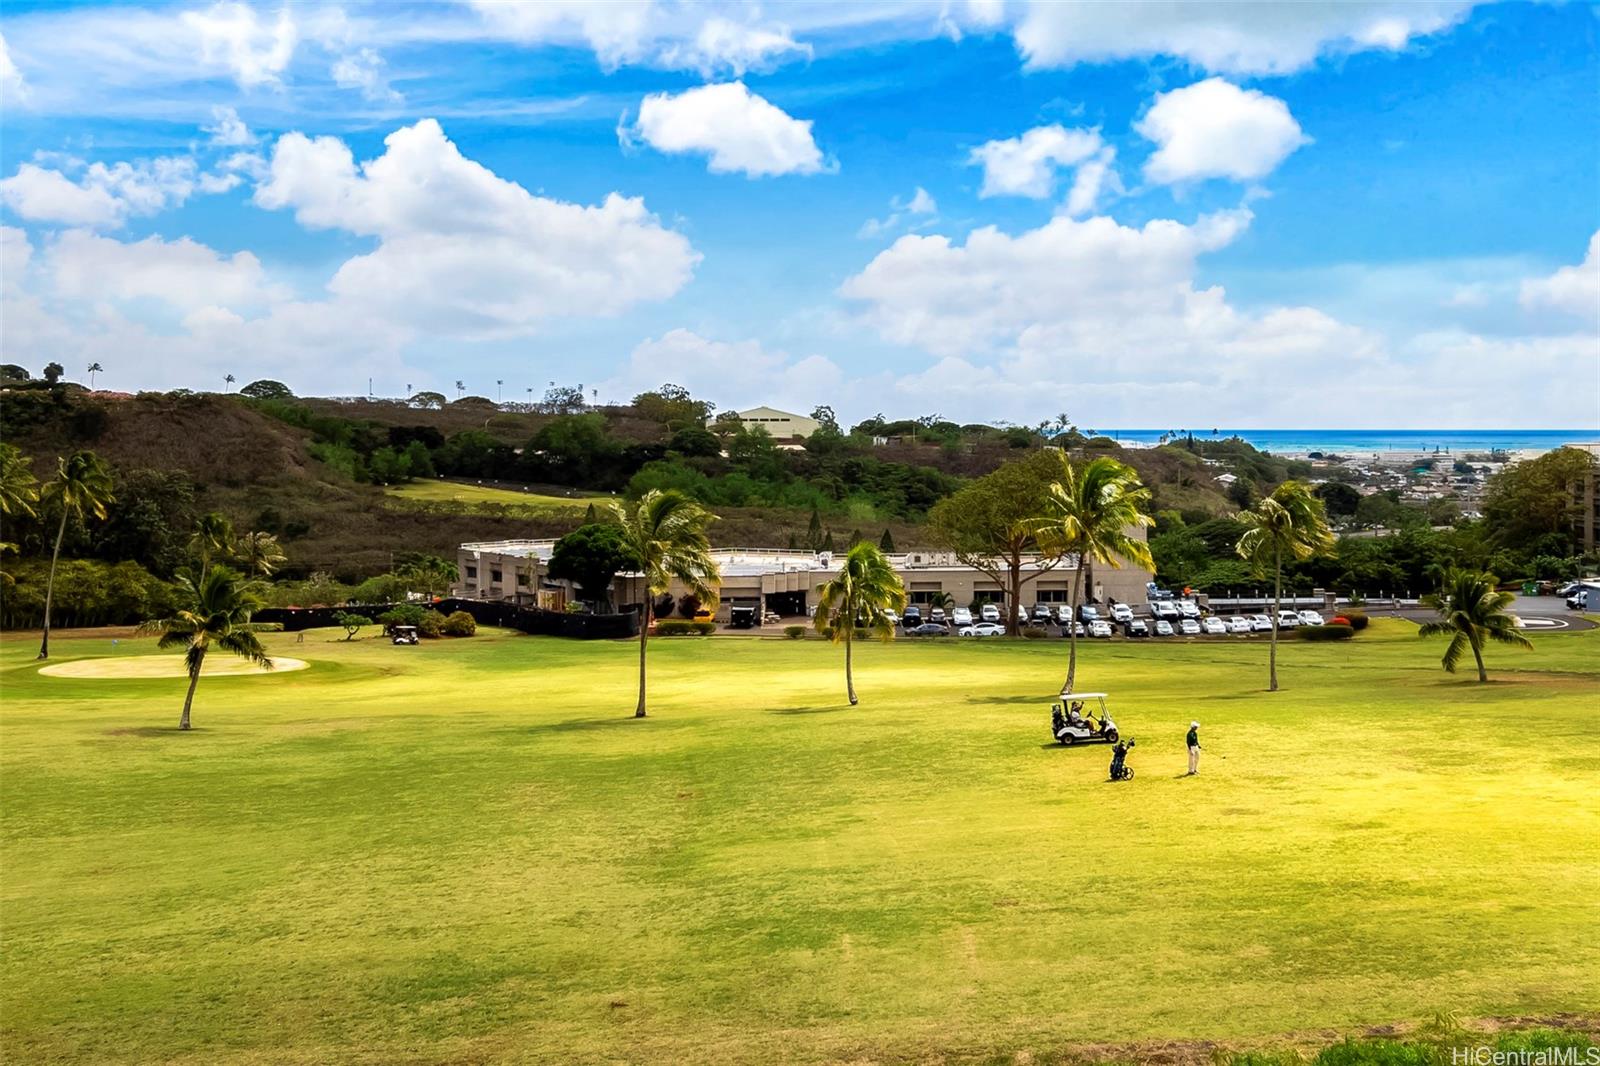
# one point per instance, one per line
(644, 635)
(1072, 627)
(1477, 653)
(849, 674)
(50, 586)
(188, 701)
(1277, 607)
(1013, 627)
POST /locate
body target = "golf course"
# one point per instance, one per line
(470, 851)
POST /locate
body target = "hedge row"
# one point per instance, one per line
(678, 627)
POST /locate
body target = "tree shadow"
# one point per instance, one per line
(155, 731)
(582, 725)
(810, 710)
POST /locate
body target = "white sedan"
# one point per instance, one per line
(1288, 619)
(1100, 628)
(1063, 614)
(1238, 624)
(961, 616)
(983, 629)
(1215, 626)
(989, 613)
(1261, 623)
(1310, 618)
(1189, 627)
(1163, 628)
(1122, 614)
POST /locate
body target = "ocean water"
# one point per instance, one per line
(1369, 441)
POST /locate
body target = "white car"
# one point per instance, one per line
(1261, 623)
(936, 616)
(1189, 627)
(1063, 615)
(1189, 609)
(989, 613)
(891, 616)
(1310, 618)
(1163, 628)
(1122, 614)
(1215, 626)
(1288, 619)
(1239, 624)
(961, 616)
(1164, 609)
(1100, 628)
(983, 629)
(1022, 615)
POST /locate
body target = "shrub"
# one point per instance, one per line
(1034, 632)
(459, 624)
(794, 632)
(431, 624)
(682, 627)
(1358, 620)
(407, 614)
(1331, 631)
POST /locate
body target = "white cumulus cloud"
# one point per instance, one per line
(1574, 290)
(104, 196)
(724, 45)
(739, 374)
(12, 84)
(1026, 165)
(1214, 129)
(228, 129)
(362, 69)
(738, 130)
(257, 51)
(182, 273)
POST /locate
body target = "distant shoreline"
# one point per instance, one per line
(1356, 443)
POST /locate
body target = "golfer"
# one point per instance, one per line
(1193, 740)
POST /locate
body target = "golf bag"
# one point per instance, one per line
(1120, 770)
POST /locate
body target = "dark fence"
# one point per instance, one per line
(486, 613)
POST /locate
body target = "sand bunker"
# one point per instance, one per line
(158, 666)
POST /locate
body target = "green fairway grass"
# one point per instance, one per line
(468, 851)
(470, 497)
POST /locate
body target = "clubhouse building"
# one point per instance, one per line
(784, 581)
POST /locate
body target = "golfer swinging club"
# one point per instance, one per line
(1193, 741)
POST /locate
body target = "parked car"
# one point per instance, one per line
(1310, 618)
(1087, 612)
(1189, 627)
(1121, 613)
(1189, 609)
(1260, 623)
(1164, 609)
(1239, 624)
(989, 613)
(1078, 628)
(1288, 619)
(1154, 592)
(982, 629)
(937, 616)
(928, 629)
(1100, 628)
(961, 616)
(1135, 627)
(1063, 614)
(891, 616)
(1215, 626)
(1041, 612)
(1163, 628)
(912, 617)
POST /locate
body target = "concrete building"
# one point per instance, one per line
(1586, 498)
(784, 581)
(783, 425)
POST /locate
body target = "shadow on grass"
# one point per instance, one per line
(810, 710)
(1030, 701)
(155, 731)
(582, 725)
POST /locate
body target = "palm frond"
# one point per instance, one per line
(1452, 654)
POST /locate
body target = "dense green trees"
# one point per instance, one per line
(857, 597)
(590, 556)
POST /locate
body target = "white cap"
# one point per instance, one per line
(1194, 725)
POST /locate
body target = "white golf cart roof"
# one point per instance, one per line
(1083, 695)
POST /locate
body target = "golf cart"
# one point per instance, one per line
(404, 634)
(1077, 722)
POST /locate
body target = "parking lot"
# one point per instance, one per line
(1159, 619)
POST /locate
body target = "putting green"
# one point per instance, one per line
(472, 852)
(128, 667)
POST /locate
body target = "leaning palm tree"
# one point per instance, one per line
(1471, 612)
(666, 531)
(215, 612)
(82, 485)
(212, 539)
(259, 554)
(228, 381)
(1094, 512)
(858, 596)
(1289, 524)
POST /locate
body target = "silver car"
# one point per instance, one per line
(1163, 628)
(1189, 627)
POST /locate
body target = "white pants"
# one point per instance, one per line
(1194, 759)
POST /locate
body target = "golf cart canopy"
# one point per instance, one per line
(1101, 696)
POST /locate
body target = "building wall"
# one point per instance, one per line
(781, 424)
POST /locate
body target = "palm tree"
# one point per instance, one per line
(1089, 512)
(865, 587)
(1470, 612)
(94, 368)
(215, 612)
(212, 536)
(259, 554)
(229, 380)
(461, 388)
(1290, 523)
(666, 531)
(82, 485)
(19, 489)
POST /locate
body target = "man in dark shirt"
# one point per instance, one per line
(1193, 740)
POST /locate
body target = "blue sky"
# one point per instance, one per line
(1350, 214)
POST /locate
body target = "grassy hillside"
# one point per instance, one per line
(469, 852)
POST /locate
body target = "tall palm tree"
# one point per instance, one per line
(865, 587)
(229, 380)
(94, 368)
(1289, 524)
(1471, 612)
(1089, 512)
(82, 486)
(215, 612)
(666, 531)
(259, 554)
(212, 538)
